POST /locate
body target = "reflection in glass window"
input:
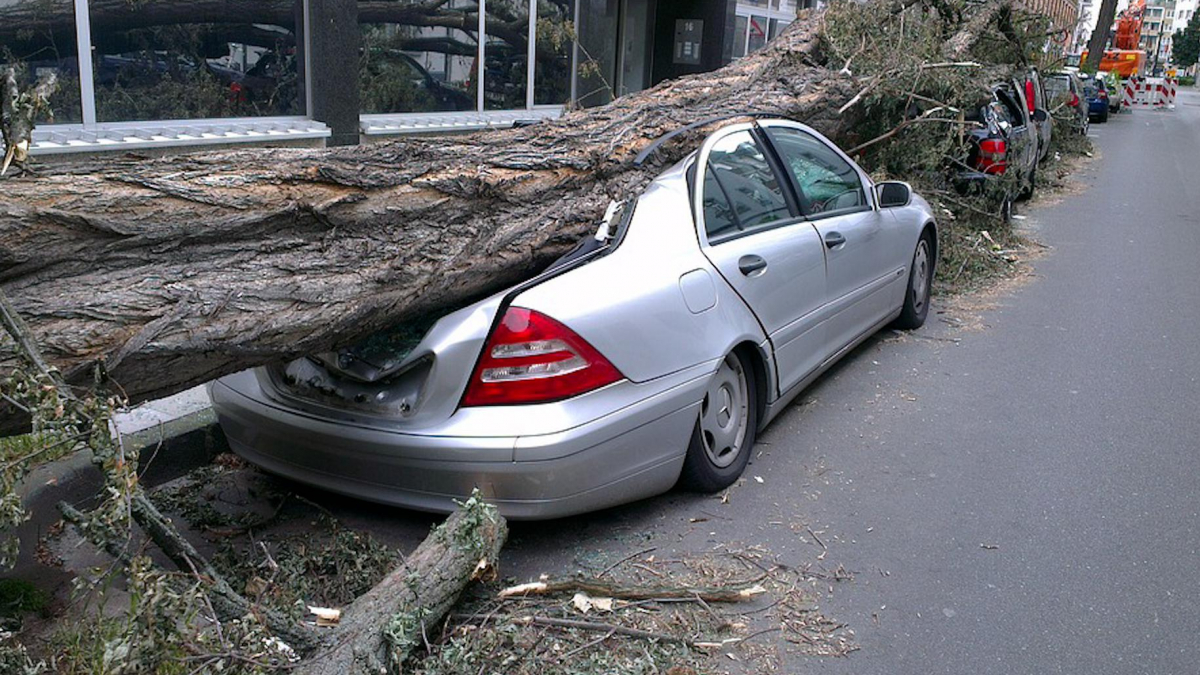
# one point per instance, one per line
(180, 62)
(505, 54)
(826, 181)
(38, 36)
(555, 30)
(741, 191)
(758, 33)
(597, 68)
(740, 25)
(414, 59)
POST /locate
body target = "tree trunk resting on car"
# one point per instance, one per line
(171, 272)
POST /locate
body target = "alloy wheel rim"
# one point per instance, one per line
(920, 280)
(724, 413)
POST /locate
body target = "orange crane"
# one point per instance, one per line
(1129, 26)
(1125, 58)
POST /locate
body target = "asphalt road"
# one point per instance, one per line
(1064, 436)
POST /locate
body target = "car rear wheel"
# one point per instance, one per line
(1103, 116)
(724, 434)
(1027, 192)
(920, 281)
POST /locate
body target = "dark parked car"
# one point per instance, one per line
(1066, 89)
(1036, 102)
(1095, 92)
(1004, 143)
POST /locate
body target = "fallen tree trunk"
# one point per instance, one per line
(171, 272)
(381, 628)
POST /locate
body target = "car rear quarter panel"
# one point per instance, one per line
(646, 306)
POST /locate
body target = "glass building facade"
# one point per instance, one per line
(191, 72)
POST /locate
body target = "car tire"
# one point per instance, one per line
(1103, 117)
(1027, 192)
(725, 430)
(920, 282)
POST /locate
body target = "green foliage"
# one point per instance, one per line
(1187, 81)
(912, 119)
(55, 434)
(1185, 51)
(167, 629)
(18, 597)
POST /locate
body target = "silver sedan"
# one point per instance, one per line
(649, 357)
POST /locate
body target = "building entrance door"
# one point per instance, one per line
(633, 70)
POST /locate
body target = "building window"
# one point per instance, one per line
(38, 36)
(505, 54)
(758, 33)
(418, 60)
(597, 69)
(552, 64)
(740, 26)
(183, 61)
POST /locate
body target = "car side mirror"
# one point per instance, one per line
(1040, 115)
(893, 193)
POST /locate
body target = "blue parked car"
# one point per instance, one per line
(1095, 91)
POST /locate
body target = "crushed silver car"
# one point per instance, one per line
(647, 358)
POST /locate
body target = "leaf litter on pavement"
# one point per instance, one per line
(523, 631)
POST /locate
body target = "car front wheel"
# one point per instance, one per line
(724, 434)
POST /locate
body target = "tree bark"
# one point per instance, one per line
(171, 272)
(1099, 38)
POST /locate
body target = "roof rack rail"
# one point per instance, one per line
(657, 143)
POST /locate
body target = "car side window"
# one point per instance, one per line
(1014, 108)
(827, 182)
(741, 191)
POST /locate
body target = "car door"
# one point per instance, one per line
(1039, 112)
(750, 228)
(865, 251)
(1021, 135)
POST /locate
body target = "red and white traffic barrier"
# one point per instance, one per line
(1157, 93)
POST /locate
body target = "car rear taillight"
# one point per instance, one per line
(1074, 102)
(992, 153)
(531, 358)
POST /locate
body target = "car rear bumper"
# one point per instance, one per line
(603, 462)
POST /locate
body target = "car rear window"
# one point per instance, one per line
(1057, 87)
(1009, 102)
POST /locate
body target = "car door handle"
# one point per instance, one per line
(750, 264)
(833, 239)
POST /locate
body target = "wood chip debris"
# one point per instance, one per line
(326, 616)
(586, 603)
